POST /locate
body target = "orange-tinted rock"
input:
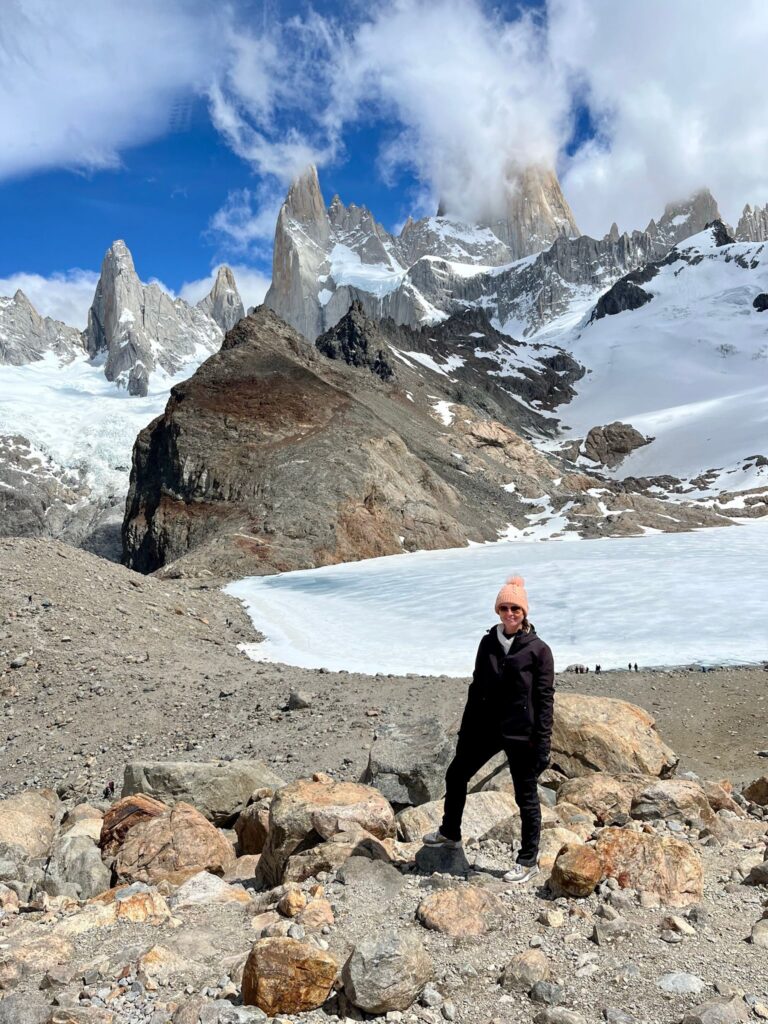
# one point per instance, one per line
(180, 840)
(757, 791)
(287, 976)
(321, 808)
(601, 794)
(460, 912)
(316, 914)
(603, 734)
(576, 872)
(123, 816)
(662, 866)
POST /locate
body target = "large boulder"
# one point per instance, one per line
(220, 790)
(305, 812)
(75, 868)
(252, 825)
(672, 800)
(603, 734)
(757, 791)
(460, 912)
(283, 975)
(29, 821)
(661, 866)
(483, 813)
(386, 972)
(176, 844)
(123, 816)
(331, 855)
(407, 763)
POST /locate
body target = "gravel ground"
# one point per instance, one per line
(113, 666)
(120, 667)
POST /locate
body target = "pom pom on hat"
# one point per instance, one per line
(513, 592)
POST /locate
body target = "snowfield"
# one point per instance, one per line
(689, 368)
(663, 599)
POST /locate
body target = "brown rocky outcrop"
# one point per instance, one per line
(610, 444)
(603, 734)
(287, 976)
(174, 845)
(272, 457)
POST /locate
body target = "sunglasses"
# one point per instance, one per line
(510, 608)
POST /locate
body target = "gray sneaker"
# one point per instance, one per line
(521, 873)
(437, 838)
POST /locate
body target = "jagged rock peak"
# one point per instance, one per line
(720, 233)
(140, 327)
(304, 204)
(536, 212)
(753, 224)
(354, 339)
(25, 336)
(223, 303)
(684, 218)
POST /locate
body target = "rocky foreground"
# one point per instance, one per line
(241, 868)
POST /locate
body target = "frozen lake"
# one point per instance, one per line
(664, 599)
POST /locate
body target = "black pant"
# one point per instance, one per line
(473, 750)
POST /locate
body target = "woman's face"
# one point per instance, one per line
(511, 616)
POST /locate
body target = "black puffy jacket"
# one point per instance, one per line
(514, 692)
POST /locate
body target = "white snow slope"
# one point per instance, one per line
(84, 422)
(689, 368)
(644, 599)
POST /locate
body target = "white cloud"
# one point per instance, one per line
(247, 219)
(81, 81)
(678, 92)
(64, 296)
(251, 283)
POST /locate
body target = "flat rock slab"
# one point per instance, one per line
(483, 812)
(218, 789)
(376, 876)
(443, 860)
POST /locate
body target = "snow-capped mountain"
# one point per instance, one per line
(73, 402)
(684, 359)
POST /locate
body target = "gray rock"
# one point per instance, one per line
(299, 700)
(753, 224)
(547, 992)
(613, 1015)
(525, 970)
(75, 868)
(24, 1008)
(606, 933)
(679, 983)
(219, 790)
(380, 880)
(223, 303)
(407, 763)
(386, 972)
(442, 860)
(609, 445)
(759, 934)
(558, 1015)
(718, 1011)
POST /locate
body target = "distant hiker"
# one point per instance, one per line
(510, 708)
(597, 670)
(629, 667)
(635, 666)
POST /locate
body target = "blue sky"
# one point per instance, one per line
(179, 126)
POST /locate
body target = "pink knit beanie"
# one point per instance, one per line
(513, 592)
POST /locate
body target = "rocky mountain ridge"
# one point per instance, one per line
(133, 329)
(275, 456)
(526, 269)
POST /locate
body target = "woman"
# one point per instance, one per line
(509, 708)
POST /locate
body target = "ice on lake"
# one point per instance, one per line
(664, 599)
